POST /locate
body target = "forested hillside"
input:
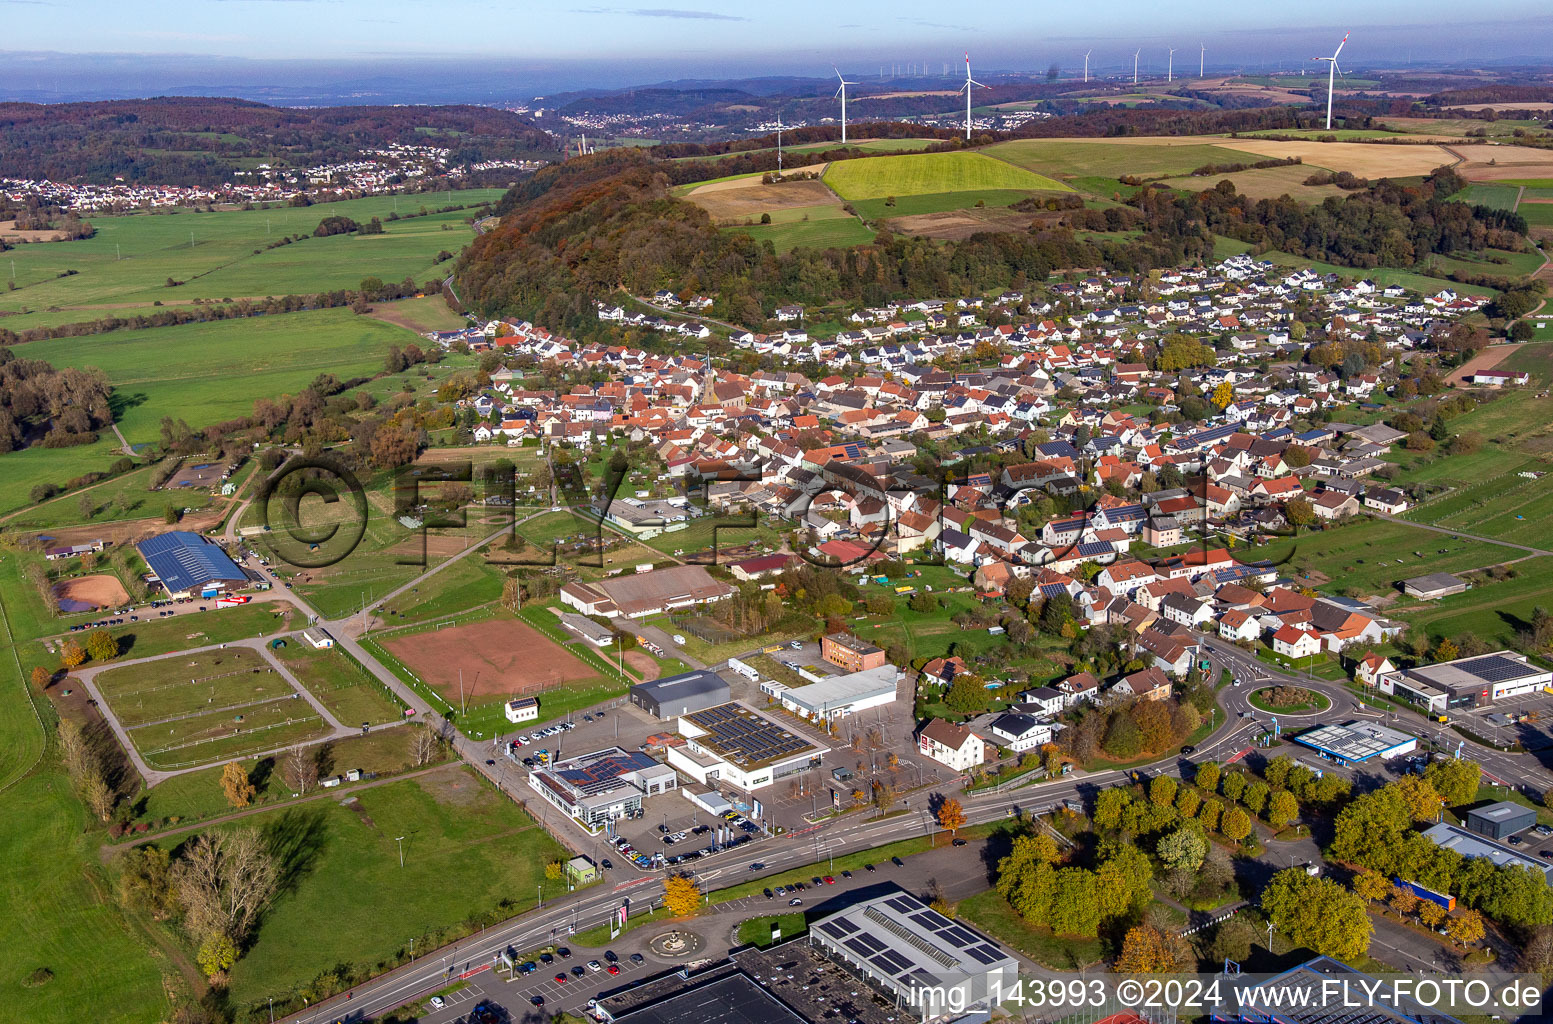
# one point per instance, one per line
(198, 141)
(587, 229)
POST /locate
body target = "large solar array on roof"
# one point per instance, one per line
(745, 736)
(1493, 668)
(905, 934)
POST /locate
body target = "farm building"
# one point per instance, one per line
(1501, 820)
(644, 594)
(71, 550)
(673, 696)
(730, 743)
(1433, 586)
(1357, 742)
(522, 709)
(318, 637)
(188, 565)
(586, 628)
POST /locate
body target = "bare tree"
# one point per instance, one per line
(299, 768)
(85, 769)
(425, 746)
(225, 881)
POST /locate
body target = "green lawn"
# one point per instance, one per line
(1365, 555)
(819, 233)
(468, 851)
(188, 684)
(930, 173)
(1500, 504)
(194, 796)
(1494, 613)
(991, 913)
(938, 202)
(353, 695)
(1537, 214)
(757, 930)
(21, 471)
(1062, 158)
(427, 314)
(206, 373)
(125, 266)
(1499, 197)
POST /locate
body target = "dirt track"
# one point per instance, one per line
(101, 591)
(1487, 359)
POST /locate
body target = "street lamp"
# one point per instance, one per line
(400, 841)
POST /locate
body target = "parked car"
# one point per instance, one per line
(436, 1002)
(560, 979)
(613, 969)
(636, 958)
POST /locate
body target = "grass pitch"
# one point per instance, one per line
(929, 173)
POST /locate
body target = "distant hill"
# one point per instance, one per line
(194, 141)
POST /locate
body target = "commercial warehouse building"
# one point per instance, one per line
(917, 956)
(1467, 844)
(730, 743)
(1501, 820)
(1357, 742)
(1466, 682)
(674, 696)
(838, 696)
(189, 565)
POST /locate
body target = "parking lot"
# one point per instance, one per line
(520, 993)
(872, 746)
(1527, 718)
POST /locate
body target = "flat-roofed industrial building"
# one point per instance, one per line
(674, 696)
(1466, 682)
(917, 956)
(1501, 820)
(730, 743)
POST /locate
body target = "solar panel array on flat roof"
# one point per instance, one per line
(1494, 668)
(744, 737)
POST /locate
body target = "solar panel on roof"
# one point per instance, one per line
(959, 936)
(839, 928)
(858, 946)
(984, 954)
(1493, 668)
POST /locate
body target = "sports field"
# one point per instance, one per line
(496, 658)
(206, 373)
(929, 173)
(126, 265)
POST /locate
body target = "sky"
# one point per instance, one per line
(564, 44)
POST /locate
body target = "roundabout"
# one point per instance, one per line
(1304, 703)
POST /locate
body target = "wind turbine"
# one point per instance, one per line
(969, 81)
(842, 92)
(1135, 66)
(1086, 67)
(1332, 69)
(1200, 56)
(1170, 67)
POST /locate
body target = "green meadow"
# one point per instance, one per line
(125, 267)
(210, 372)
(928, 173)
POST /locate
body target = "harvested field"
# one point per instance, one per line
(89, 593)
(960, 224)
(9, 233)
(747, 197)
(1509, 162)
(498, 657)
(1366, 160)
(1264, 183)
(436, 545)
